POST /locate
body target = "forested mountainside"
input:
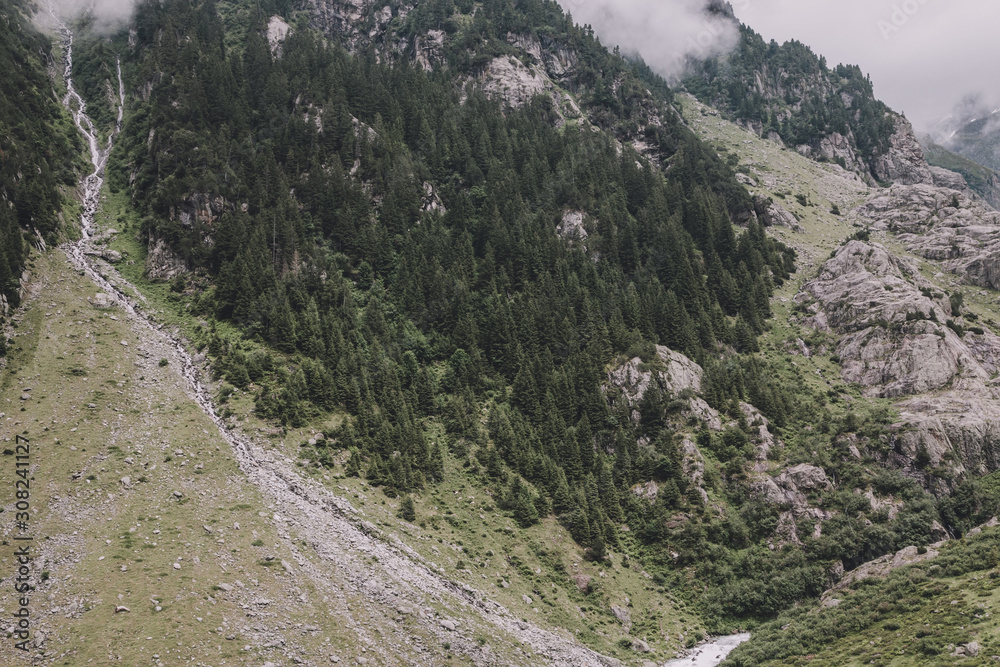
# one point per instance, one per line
(491, 266)
(460, 248)
(37, 149)
(404, 241)
(788, 93)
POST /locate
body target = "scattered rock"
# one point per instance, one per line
(623, 614)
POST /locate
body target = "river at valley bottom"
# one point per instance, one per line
(710, 654)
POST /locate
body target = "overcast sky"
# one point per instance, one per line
(923, 55)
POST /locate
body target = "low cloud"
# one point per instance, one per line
(974, 113)
(666, 33)
(107, 15)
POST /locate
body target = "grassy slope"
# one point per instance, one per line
(979, 178)
(917, 615)
(943, 610)
(99, 411)
(458, 528)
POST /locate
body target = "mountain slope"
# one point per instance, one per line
(789, 94)
(37, 148)
(974, 135)
(932, 607)
(982, 180)
(506, 381)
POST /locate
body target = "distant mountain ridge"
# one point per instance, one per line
(974, 134)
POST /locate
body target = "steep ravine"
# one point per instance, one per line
(378, 568)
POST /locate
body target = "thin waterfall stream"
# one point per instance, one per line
(331, 521)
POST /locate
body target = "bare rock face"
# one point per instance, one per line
(516, 84)
(894, 344)
(836, 147)
(162, 263)
(952, 180)
(559, 61)
(864, 285)
(904, 161)
(806, 477)
(956, 429)
(765, 440)
(571, 228)
(277, 31)
(672, 373)
(198, 208)
(886, 564)
(342, 17)
(791, 485)
(894, 341)
(429, 49)
(909, 359)
(943, 225)
(789, 491)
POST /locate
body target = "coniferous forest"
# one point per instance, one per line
(375, 241)
(37, 146)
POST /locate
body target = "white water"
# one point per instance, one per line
(710, 654)
(78, 251)
(76, 105)
(289, 490)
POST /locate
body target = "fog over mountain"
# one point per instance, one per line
(108, 15)
(664, 32)
(923, 56)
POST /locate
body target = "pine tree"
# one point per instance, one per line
(407, 512)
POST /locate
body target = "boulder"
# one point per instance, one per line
(641, 646)
(623, 615)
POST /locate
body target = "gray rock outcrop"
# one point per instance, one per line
(942, 225)
(904, 161)
(894, 342)
(162, 263)
(571, 228)
(671, 372)
(945, 178)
